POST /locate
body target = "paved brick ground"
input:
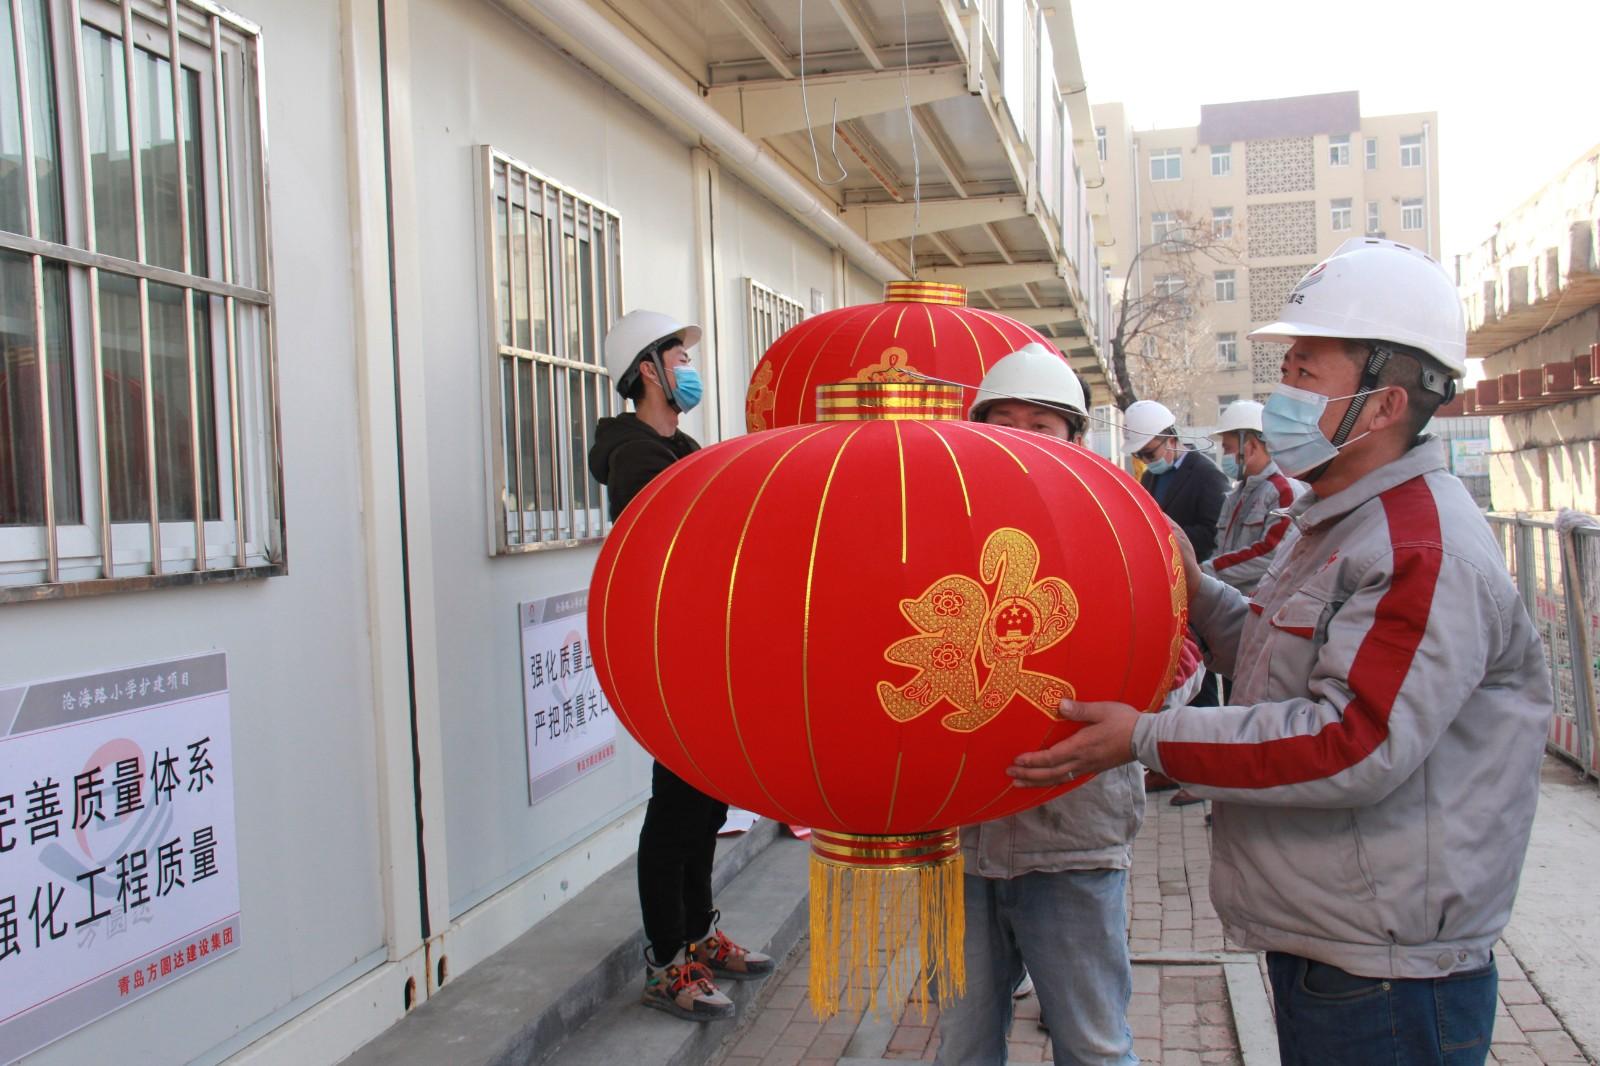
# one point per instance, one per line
(1180, 1014)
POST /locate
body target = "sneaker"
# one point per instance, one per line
(684, 987)
(1024, 987)
(1184, 798)
(728, 960)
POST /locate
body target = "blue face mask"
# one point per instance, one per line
(686, 388)
(1291, 431)
(1230, 466)
(1159, 467)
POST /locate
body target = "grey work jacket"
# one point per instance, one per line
(1250, 529)
(1090, 828)
(1375, 784)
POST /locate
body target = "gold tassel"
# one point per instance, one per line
(890, 907)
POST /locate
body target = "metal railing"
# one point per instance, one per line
(1558, 575)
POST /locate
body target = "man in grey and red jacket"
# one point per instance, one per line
(1253, 521)
(1376, 774)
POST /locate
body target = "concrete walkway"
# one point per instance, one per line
(1198, 1000)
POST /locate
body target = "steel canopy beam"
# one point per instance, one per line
(768, 108)
(894, 221)
(994, 275)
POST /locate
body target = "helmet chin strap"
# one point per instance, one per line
(661, 379)
(1377, 358)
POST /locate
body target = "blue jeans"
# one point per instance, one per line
(1070, 930)
(1327, 1017)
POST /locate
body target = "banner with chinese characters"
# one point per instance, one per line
(571, 728)
(118, 870)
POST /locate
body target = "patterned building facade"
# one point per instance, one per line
(1282, 183)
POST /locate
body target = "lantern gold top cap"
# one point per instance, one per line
(925, 292)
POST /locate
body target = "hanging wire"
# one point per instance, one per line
(833, 124)
(911, 129)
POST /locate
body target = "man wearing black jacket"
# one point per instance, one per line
(1186, 485)
(647, 354)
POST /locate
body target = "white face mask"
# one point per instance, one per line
(1291, 428)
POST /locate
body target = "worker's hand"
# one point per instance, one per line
(1191, 565)
(1106, 740)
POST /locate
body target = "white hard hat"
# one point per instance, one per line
(1379, 290)
(1241, 414)
(1143, 422)
(1034, 374)
(636, 331)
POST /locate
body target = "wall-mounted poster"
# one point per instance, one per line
(571, 729)
(118, 870)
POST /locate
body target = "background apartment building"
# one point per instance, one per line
(1289, 180)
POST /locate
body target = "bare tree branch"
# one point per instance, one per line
(1161, 320)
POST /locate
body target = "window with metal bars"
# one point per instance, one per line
(771, 315)
(141, 449)
(556, 260)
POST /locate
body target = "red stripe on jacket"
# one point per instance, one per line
(1273, 535)
(1379, 669)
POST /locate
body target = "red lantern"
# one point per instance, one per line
(921, 328)
(856, 626)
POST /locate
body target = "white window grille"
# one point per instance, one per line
(1374, 217)
(1339, 150)
(1224, 282)
(555, 257)
(1412, 214)
(1228, 354)
(1100, 142)
(1340, 214)
(1372, 153)
(1222, 222)
(1221, 160)
(771, 315)
(142, 449)
(1166, 164)
(1162, 225)
(1411, 150)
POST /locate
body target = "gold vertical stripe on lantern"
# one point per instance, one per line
(886, 904)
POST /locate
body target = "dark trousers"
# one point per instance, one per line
(1328, 1017)
(676, 849)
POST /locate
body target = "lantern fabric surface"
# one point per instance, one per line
(922, 327)
(857, 626)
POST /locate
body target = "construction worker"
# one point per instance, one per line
(647, 355)
(1046, 889)
(1186, 485)
(1375, 777)
(1252, 523)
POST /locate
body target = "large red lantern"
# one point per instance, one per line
(857, 626)
(921, 328)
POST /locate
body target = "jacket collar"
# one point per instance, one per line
(1309, 512)
(1266, 472)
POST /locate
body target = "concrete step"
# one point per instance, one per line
(765, 909)
(517, 1006)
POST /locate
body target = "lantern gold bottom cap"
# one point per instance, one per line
(886, 851)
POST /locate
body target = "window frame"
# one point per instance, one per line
(572, 495)
(97, 555)
(1338, 149)
(1224, 281)
(1224, 157)
(1371, 152)
(1228, 348)
(1374, 216)
(1162, 223)
(1346, 213)
(1412, 143)
(1217, 231)
(1418, 204)
(1171, 160)
(1100, 142)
